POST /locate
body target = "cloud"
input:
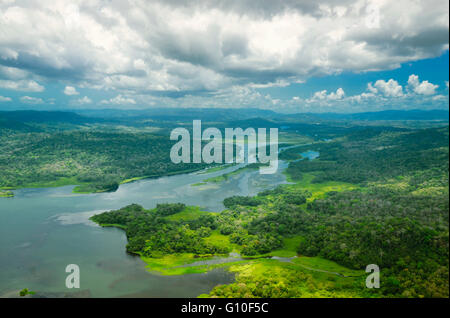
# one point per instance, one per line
(323, 96)
(391, 88)
(12, 73)
(21, 85)
(84, 100)
(338, 95)
(439, 97)
(178, 48)
(70, 90)
(31, 100)
(5, 99)
(423, 88)
(319, 95)
(278, 83)
(119, 100)
(378, 96)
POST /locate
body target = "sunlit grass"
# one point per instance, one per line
(319, 190)
(189, 213)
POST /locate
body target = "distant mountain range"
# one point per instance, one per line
(33, 116)
(180, 114)
(224, 114)
(415, 114)
(20, 118)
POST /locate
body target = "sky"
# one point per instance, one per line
(284, 55)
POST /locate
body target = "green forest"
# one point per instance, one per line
(376, 194)
(97, 161)
(379, 197)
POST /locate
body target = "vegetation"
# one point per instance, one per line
(154, 233)
(6, 194)
(25, 292)
(395, 218)
(404, 234)
(371, 155)
(97, 161)
(397, 221)
(240, 200)
(273, 279)
(376, 195)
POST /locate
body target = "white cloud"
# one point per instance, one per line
(84, 100)
(21, 85)
(338, 95)
(319, 95)
(426, 88)
(439, 97)
(423, 88)
(31, 100)
(379, 96)
(323, 96)
(362, 97)
(5, 99)
(371, 89)
(119, 100)
(12, 73)
(155, 47)
(391, 88)
(70, 90)
(278, 83)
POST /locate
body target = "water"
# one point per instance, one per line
(44, 230)
(310, 155)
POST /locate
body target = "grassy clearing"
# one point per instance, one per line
(318, 190)
(272, 278)
(290, 245)
(171, 264)
(289, 249)
(189, 213)
(174, 264)
(318, 263)
(222, 240)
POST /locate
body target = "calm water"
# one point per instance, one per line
(44, 230)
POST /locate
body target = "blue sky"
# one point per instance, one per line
(288, 56)
(435, 70)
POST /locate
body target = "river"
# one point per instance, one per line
(43, 230)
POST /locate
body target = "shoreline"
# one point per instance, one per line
(70, 181)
